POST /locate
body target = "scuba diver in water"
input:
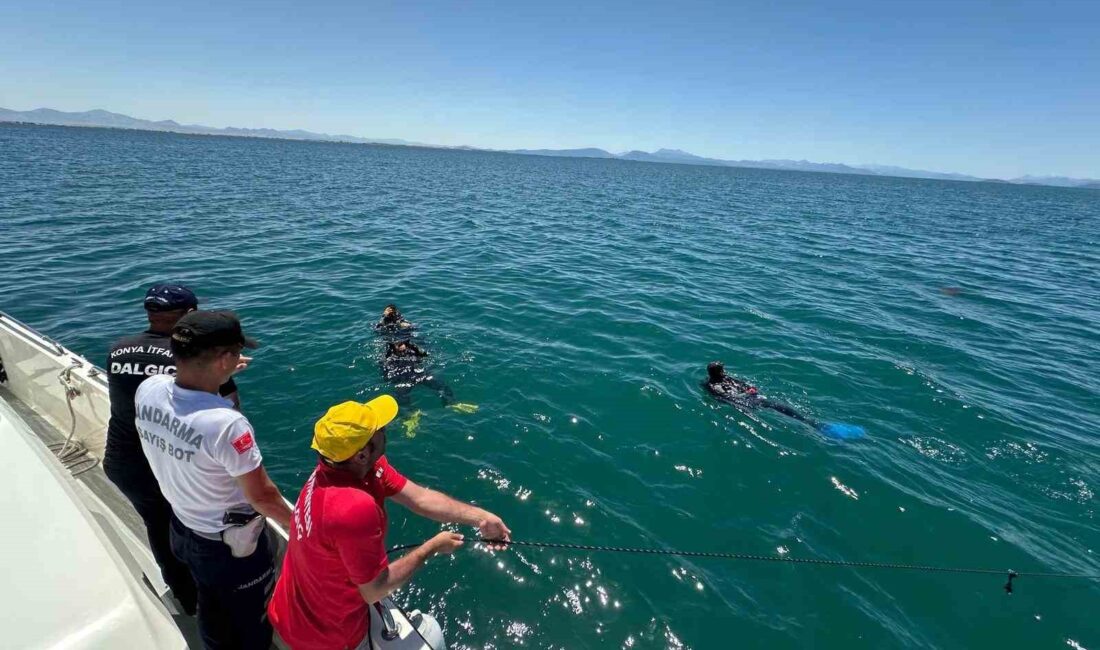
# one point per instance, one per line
(745, 396)
(393, 323)
(402, 367)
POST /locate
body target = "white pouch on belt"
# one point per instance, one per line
(243, 539)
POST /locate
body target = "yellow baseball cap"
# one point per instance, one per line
(346, 428)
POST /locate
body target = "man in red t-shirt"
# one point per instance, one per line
(336, 566)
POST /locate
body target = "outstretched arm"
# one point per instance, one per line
(398, 573)
(440, 507)
(785, 410)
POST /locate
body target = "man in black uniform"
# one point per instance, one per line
(131, 361)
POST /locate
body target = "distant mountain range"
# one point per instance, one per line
(685, 158)
(101, 118)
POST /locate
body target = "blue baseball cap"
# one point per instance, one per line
(170, 297)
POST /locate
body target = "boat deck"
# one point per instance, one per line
(96, 482)
(95, 479)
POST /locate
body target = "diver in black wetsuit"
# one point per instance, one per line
(401, 366)
(393, 323)
(744, 395)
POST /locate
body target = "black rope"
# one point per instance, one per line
(782, 559)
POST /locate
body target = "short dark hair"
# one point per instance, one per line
(392, 347)
(390, 306)
(715, 369)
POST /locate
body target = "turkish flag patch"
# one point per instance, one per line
(244, 443)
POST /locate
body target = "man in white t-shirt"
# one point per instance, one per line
(209, 468)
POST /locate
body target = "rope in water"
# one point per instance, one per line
(781, 559)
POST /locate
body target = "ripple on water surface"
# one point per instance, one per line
(576, 302)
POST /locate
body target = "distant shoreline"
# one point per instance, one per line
(287, 138)
(234, 136)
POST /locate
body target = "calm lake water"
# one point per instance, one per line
(577, 302)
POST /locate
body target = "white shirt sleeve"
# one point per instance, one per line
(236, 449)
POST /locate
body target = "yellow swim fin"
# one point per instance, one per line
(411, 424)
(462, 407)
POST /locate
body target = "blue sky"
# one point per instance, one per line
(988, 88)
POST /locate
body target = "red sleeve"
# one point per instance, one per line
(390, 480)
(354, 526)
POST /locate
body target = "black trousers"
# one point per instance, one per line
(136, 481)
(233, 592)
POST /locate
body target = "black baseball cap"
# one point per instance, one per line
(170, 297)
(207, 329)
